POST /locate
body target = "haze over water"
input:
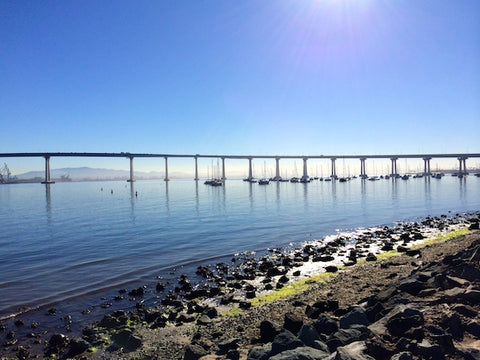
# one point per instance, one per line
(69, 239)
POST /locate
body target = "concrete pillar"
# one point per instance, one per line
(166, 169)
(196, 167)
(465, 166)
(363, 170)
(394, 166)
(47, 171)
(132, 178)
(250, 171)
(277, 169)
(223, 169)
(334, 171)
(305, 170)
(426, 166)
(460, 165)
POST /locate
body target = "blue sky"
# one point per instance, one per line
(240, 77)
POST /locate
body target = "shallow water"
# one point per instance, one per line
(63, 241)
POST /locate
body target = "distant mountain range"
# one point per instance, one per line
(87, 173)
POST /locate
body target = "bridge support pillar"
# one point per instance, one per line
(426, 166)
(462, 169)
(277, 169)
(132, 178)
(305, 170)
(394, 167)
(196, 167)
(166, 169)
(250, 170)
(363, 169)
(334, 171)
(48, 180)
(223, 169)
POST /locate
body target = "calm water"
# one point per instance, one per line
(63, 241)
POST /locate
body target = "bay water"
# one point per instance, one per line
(66, 241)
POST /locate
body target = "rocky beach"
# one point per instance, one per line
(409, 291)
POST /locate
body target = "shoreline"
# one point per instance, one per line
(237, 286)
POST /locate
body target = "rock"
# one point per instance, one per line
(444, 340)
(453, 325)
(373, 312)
(474, 329)
(429, 351)
(57, 344)
(465, 310)
(268, 331)
(160, 287)
(347, 336)
(325, 325)
(402, 319)
(353, 351)
(331, 269)
(137, 292)
(292, 322)
(125, 339)
(474, 226)
(227, 345)
(301, 353)
(355, 317)
(285, 340)
(404, 355)
(77, 346)
(472, 296)
(233, 355)
(260, 352)
(194, 352)
(371, 257)
(204, 320)
(411, 286)
(310, 337)
(469, 353)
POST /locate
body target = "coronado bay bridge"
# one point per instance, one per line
(461, 157)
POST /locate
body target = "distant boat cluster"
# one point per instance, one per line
(266, 181)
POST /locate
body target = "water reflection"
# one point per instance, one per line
(427, 192)
(48, 203)
(167, 198)
(197, 201)
(462, 188)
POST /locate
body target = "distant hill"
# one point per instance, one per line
(88, 174)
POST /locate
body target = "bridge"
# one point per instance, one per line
(461, 157)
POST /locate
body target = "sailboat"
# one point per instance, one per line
(264, 180)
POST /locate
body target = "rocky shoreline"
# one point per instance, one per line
(422, 303)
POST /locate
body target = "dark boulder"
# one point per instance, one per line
(268, 331)
(292, 322)
(355, 317)
(301, 353)
(371, 257)
(411, 286)
(473, 328)
(285, 340)
(325, 325)
(76, 347)
(194, 352)
(127, 340)
(227, 345)
(260, 352)
(347, 336)
(402, 319)
(331, 269)
(57, 344)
